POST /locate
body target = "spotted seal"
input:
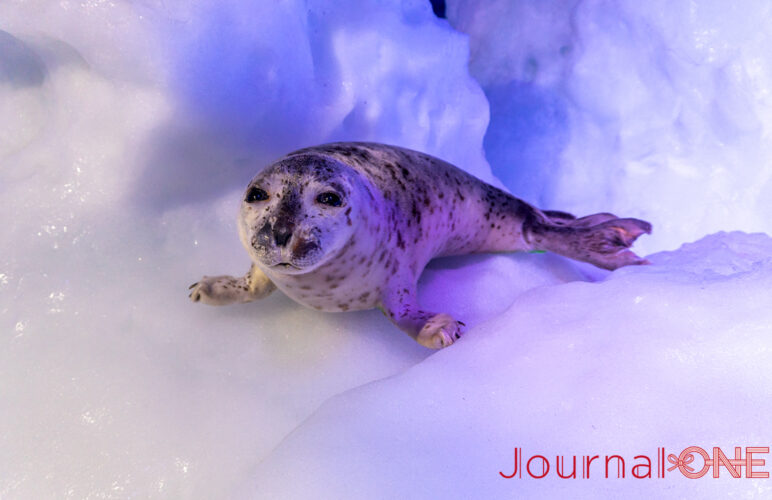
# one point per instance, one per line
(351, 226)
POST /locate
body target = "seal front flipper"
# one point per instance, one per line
(222, 290)
(432, 330)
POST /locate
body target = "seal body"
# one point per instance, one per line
(350, 226)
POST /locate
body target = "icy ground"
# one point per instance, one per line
(127, 132)
(671, 355)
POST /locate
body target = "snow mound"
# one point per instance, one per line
(669, 355)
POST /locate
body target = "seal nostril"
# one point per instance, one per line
(263, 236)
(282, 234)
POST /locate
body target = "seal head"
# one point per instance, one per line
(300, 212)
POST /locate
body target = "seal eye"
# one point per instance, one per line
(329, 198)
(256, 194)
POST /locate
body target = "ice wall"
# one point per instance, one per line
(660, 109)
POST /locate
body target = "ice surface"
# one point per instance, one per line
(128, 129)
(658, 109)
(675, 354)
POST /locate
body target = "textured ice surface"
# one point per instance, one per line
(674, 354)
(661, 109)
(128, 129)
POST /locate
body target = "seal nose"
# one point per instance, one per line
(282, 232)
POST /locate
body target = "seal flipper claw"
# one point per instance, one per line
(440, 331)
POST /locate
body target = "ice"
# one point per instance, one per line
(657, 109)
(674, 354)
(127, 133)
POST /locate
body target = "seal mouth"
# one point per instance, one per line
(286, 265)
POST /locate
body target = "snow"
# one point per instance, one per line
(128, 130)
(649, 356)
(660, 109)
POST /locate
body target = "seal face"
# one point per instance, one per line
(349, 226)
(296, 214)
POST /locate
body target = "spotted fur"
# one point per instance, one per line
(398, 210)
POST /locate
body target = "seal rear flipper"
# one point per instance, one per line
(594, 220)
(605, 245)
(560, 218)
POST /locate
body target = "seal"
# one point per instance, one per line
(350, 226)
